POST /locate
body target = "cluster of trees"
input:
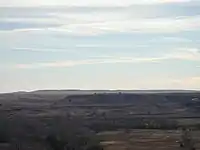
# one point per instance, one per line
(65, 135)
(76, 142)
(105, 125)
(55, 134)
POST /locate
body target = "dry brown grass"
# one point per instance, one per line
(142, 140)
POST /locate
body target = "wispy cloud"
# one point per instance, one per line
(45, 50)
(70, 63)
(160, 82)
(158, 25)
(84, 47)
(182, 54)
(192, 54)
(87, 2)
(187, 82)
(71, 50)
(80, 21)
(171, 39)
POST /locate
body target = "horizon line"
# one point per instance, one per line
(109, 90)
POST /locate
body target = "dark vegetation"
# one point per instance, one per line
(153, 123)
(129, 98)
(4, 131)
(52, 134)
(60, 122)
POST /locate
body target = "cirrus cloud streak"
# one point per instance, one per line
(181, 54)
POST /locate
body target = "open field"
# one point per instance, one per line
(144, 140)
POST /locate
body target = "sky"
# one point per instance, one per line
(99, 44)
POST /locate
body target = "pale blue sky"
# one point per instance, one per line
(99, 44)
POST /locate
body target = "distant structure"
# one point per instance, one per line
(196, 99)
